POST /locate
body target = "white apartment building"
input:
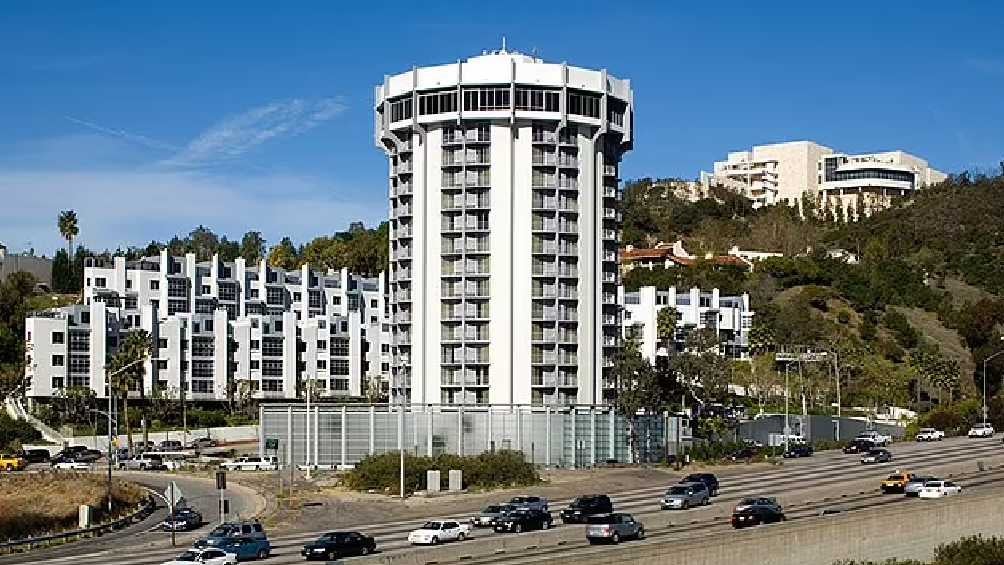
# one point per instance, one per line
(217, 326)
(730, 316)
(505, 228)
(868, 182)
(782, 172)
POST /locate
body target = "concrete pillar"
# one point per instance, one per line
(519, 429)
(488, 437)
(575, 439)
(429, 430)
(592, 437)
(344, 433)
(317, 427)
(372, 430)
(612, 430)
(547, 434)
(460, 431)
(289, 435)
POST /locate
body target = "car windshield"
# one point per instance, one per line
(895, 478)
(223, 531)
(926, 430)
(188, 556)
(520, 499)
(677, 490)
(747, 502)
(981, 426)
(432, 525)
(875, 452)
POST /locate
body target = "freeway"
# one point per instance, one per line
(804, 486)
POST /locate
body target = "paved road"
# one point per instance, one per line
(797, 483)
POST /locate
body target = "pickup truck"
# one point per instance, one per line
(875, 437)
(250, 464)
(896, 482)
(12, 463)
(930, 434)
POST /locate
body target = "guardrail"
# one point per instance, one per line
(27, 544)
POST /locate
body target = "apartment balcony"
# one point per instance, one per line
(568, 337)
(452, 249)
(404, 232)
(451, 315)
(567, 227)
(402, 211)
(609, 214)
(548, 227)
(567, 360)
(567, 140)
(548, 137)
(568, 185)
(404, 188)
(610, 235)
(610, 341)
(568, 316)
(403, 296)
(471, 336)
(402, 339)
(403, 275)
(452, 226)
(544, 271)
(568, 162)
(568, 205)
(568, 272)
(568, 250)
(544, 316)
(544, 183)
(610, 170)
(609, 277)
(545, 160)
(402, 254)
(451, 160)
(404, 146)
(610, 256)
(544, 249)
(452, 204)
(543, 359)
(543, 337)
(453, 138)
(464, 380)
(610, 192)
(479, 201)
(477, 226)
(402, 318)
(403, 168)
(476, 358)
(609, 320)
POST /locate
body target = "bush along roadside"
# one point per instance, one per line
(726, 452)
(489, 470)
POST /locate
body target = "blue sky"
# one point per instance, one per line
(151, 118)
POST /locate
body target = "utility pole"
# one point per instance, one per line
(307, 422)
(111, 409)
(836, 370)
(787, 428)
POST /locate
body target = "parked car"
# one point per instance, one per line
(756, 511)
(436, 532)
(981, 430)
(583, 508)
(616, 528)
(859, 446)
(912, 488)
(335, 545)
(71, 465)
(876, 456)
(896, 482)
(875, 437)
(939, 489)
(12, 462)
(202, 443)
(144, 445)
(171, 445)
(531, 502)
(36, 455)
(685, 495)
(246, 547)
(930, 434)
(486, 518)
(796, 450)
(228, 530)
(251, 464)
(79, 453)
(204, 557)
(143, 462)
(746, 453)
(182, 520)
(524, 520)
(707, 478)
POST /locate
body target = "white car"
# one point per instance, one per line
(251, 464)
(209, 556)
(72, 466)
(939, 489)
(432, 533)
(981, 430)
(875, 437)
(930, 434)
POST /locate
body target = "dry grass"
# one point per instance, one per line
(36, 503)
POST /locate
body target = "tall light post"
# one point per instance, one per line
(308, 389)
(787, 429)
(985, 361)
(108, 390)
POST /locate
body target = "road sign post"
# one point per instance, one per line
(221, 484)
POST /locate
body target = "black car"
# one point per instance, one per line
(707, 478)
(756, 511)
(523, 520)
(334, 545)
(183, 520)
(798, 450)
(745, 454)
(88, 455)
(583, 508)
(859, 446)
(36, 455)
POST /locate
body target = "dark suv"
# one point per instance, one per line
(707, 478)
(584, 508)
(755, 511)
(523, 520)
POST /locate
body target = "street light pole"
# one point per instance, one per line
(307, 422)
(108, 391)
(786, 424)
(985, 361)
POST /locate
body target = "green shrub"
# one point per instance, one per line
(975, 550)
(18, 431)
(487, 470)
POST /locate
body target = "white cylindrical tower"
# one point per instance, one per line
(505, 228)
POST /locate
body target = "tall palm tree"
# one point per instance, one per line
(69, 229)
(665, 327)
(137, 345)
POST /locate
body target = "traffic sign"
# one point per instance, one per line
(173, 494)
(272, 443)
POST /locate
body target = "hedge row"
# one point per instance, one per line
(488, 470)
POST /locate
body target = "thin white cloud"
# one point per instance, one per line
(122, 134)
(234, 136)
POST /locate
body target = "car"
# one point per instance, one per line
(182, 520)
(438, 531)
(685, 495)
(202, 443)
(912, 488)
(615, 528)
(335, 545)
(930, 434)
(707, 478)
(875, 437)
(753, 511)
(78, 453)
(896, 482)
(859, 446)
(939, 489)
(36, 455)
(228, 530)
(523, 520)
(251, 464)
(141, 446)
(796, 450)
(71, 465)
(246, 547)
(171, 445)
(876, 456)
(486, 518)
(12, 462)
(531, 502)
(209, 556)
(981, 430)
(746, 453)
(583, 508)
(143, 462)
